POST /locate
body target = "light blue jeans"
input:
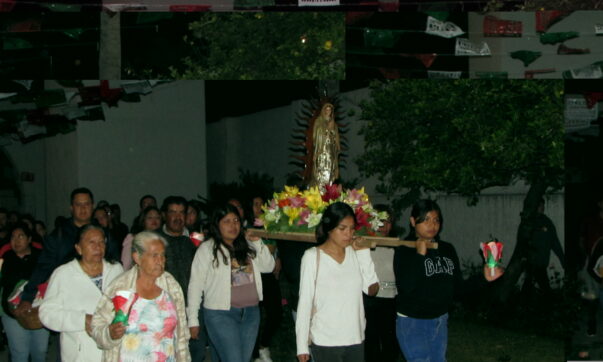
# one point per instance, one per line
(423, 340)
(233, 332)
(24, 342)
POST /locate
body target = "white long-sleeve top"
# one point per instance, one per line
(211, 283)
(339, 317)
(71, 294)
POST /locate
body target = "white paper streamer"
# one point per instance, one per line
(465, 47)
(443, 29)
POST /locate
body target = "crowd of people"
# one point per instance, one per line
(187, 299)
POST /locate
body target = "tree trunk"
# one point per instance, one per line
(518, 261)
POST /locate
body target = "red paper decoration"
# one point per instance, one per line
(546, 18)
(494, 26)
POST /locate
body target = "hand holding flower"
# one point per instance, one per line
(117, 330)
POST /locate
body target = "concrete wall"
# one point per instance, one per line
(501, 47)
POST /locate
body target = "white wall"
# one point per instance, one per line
(29, 158)
(153, 147)
(501, 47)
(62, 174)
(156, 146)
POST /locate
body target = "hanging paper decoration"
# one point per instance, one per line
(564, 50)
(389, 6)
(379, 38)
(443, 29)
(7, 5)
(494, 26)
(577, 114)
(6, 95)
(426, 59)
(546, 18)
(90, 96)
(42, 99)
(27, 26)
(64, 8)
(592, 98)
(592, 71)
(554, 38)
(93, 113)
(526, 56)
(73, 112)
(27, 130)
(529, 74)
(440, 15)
(389, 73)
(56, 109)
(318, 2)
(465, 47)
(25, 83)
(136, 87)
(491, 75)
(440, 74)
(598, 29)
(352, 17)
(15, 44)
(110, 96)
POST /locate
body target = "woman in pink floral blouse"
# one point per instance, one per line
(156, 329)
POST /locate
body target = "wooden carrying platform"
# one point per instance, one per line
(367, 241)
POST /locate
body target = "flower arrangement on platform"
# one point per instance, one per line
(294, 210)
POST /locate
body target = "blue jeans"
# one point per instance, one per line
(423, 340)
(233, 332)
(24, 342)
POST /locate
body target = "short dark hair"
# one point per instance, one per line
(332, 216)
(82, 190)
(23, 226)
(147, 196)
(171, 200)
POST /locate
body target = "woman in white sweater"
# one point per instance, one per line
(330, 314)
(73, 292)
(226, 280)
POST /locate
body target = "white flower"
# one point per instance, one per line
(313, 220)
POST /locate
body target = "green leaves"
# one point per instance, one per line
(267, 45)
(461, 136)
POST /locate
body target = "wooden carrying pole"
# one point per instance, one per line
(367, 241)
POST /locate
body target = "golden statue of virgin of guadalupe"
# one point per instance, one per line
(326, 148)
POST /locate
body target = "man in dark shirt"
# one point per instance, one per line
(59, 245)
(179, 256)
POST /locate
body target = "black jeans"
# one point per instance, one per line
(353, 353)
(271, 309)
(380, 341)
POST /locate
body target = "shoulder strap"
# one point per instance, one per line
(315, 281)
